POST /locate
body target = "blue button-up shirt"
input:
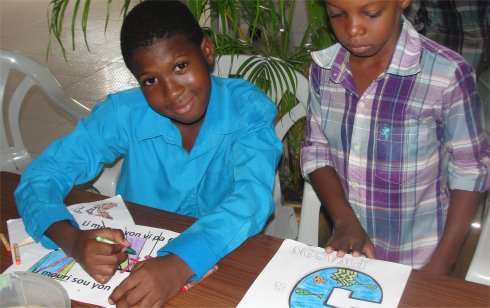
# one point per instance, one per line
(225, 181)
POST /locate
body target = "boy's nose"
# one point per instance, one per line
(170, 89)
(354, 27)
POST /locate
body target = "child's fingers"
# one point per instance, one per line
(342, 247)
(139, 296)
(102, 278)
(125, 287)
(114, 235)
(370, 251)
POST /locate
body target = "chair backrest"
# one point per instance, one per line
(14, 156)
(479, 270)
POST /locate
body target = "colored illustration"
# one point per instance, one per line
(55, 264)
(136, 243)
(315, 289)
(97, 209)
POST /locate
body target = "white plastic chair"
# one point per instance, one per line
(105, 183)
(479, 270)
(14, 156)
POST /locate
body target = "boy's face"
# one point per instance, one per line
(367, 27)
(174, 76)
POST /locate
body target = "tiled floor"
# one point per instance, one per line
(87, 76)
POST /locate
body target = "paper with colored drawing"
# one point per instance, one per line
(303, 276)
(108, 209)
(146, 241)
(91, 215)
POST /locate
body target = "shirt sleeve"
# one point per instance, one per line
(315, 151)
(466, 139)
(243, 213)
(74, 159)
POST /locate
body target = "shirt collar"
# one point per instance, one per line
(221, 117)
(405, 60)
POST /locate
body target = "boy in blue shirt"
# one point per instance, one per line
(192, 143)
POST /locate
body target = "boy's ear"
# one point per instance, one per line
(207, 50)
(404, 3)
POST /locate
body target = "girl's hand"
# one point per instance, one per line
(152, 282)
(350, 238)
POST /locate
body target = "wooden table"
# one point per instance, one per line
(238, 270)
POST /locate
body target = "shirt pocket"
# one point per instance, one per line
(401, 151)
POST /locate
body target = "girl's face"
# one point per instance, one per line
(174, 76)
(367, 27)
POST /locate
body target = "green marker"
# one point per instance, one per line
(104, 240)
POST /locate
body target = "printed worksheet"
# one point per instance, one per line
(113, 209)
(145, 241)
(303, 276)
(88, 215)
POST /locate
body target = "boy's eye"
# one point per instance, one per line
(334, 14)
(149, 81)
(180, 66)
(373, 15)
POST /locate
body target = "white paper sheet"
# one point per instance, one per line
(108, 209)
(79, 285)
(303, 276)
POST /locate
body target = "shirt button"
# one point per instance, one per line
(362, 105)
(357, 146)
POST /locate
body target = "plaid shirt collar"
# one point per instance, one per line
(405, 60)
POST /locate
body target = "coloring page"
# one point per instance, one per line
(111, 209)
(145, 241)
(304, 276)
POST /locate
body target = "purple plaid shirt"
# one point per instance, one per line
(398, 149)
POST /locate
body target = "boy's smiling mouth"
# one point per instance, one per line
(185, 107)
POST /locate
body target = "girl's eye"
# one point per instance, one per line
(149, 81)
(180, 66)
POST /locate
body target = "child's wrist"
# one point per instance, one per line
(64, 234)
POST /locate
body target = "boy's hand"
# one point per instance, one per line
(152, 282)
(438, 267)
(99, 260)
(350, 238)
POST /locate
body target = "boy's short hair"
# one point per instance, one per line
(153, 20)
